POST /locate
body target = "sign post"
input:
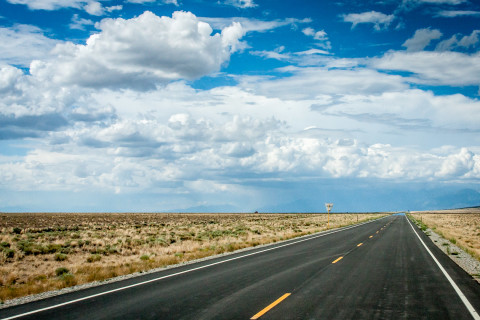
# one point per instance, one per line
(329, 207)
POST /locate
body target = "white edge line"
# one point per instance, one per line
(189, 270)
(464, 299)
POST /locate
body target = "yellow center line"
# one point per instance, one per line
(358, 245)
(371, 237)
(273, 304)
(336, 260)
(377, 231)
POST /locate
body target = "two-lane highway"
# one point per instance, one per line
(376, 270)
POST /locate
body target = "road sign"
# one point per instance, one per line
(329, 207)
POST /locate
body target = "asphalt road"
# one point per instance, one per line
(378, 270)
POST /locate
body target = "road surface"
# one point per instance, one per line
(385, 269)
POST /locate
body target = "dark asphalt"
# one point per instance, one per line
(389, 276)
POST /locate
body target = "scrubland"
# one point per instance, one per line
(461, 227)
(47, 251)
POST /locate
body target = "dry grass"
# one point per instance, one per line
(463, 229)
(35, 246)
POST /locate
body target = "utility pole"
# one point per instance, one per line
(329, 207)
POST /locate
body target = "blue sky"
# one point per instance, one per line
(239, 105)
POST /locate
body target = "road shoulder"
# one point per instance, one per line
(462, 258)
(468, 286)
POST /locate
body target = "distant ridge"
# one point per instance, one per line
(476, 207)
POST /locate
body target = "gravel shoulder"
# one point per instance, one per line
(457, 254)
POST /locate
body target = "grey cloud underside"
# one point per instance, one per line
(388, 119)
(309, 82)
(40, 125)
(92, 115)
(30, 126)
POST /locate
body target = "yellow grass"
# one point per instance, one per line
(99, 246)
(461, 228)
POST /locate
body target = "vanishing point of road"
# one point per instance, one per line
(383, 269)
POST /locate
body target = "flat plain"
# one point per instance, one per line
(461, 227)
(48, 251)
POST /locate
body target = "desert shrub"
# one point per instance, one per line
(4, 244)
(110, 249)
(98, 251)
(139, 242)
(186, 236)
(61, 271)
(9, 253)
(69, 279)
(145, 257)
(60, 256)
(25, 246)
(52, 248)
(28, 247)
(65, 250)
(17, 230)
(94, 257)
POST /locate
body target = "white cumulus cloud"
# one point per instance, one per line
(450, 2)
(94, 8)
(321, 36)
(50, 4)
(80, 23)
(241, 3)
(23, 43)
(421, 39)
(252, 24)
(434, 68)
(456, 13)
(459, 42)
(458, 165)
(141, 52)
(174, 2)
(114, 8)
(379, 20)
